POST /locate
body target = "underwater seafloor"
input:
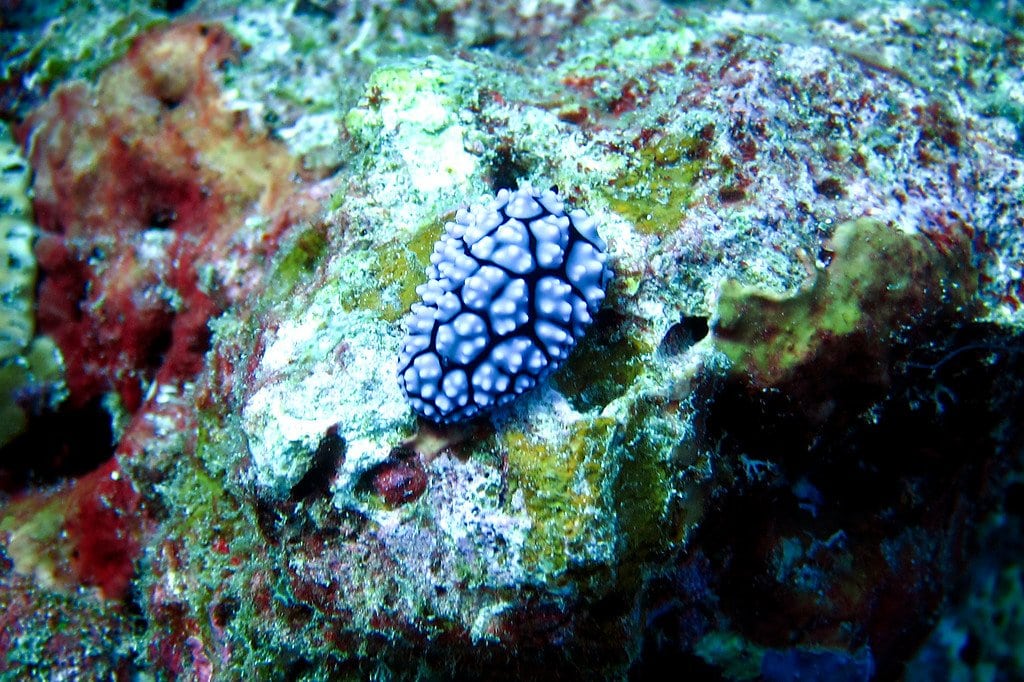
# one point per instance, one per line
(789, 447)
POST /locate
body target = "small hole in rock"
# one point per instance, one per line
(67, 442)
(330, 453)
(158, 347)
(162, 218)
(170, 103)
(831, 188)
(224, 611)
(169, 6)
(311, 8)
(683, 334)
(506, 168)
(1014, 500)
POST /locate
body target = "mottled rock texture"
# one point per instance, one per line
(783, 444)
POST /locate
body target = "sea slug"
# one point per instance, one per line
(512, 285)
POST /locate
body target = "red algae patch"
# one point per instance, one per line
(84, 532)
(142, 182)
(158, 207)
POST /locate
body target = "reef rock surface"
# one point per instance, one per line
(786, 447)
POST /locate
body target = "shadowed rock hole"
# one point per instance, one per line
(970, 653)
(170, 103)
(268, 520)
(170, 6)
(58, 444)
(507, 168)
(162, 218)
(224, 611)
(158, 347)
(330, 453)
(683, 334)
(1014, 504)
(199, 342)
(831, 188)
(311, 8)
(299, 669)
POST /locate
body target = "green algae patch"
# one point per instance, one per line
(564, 487)
(880, 283)
(407, 270)
(735, 656)
(651, 458)
(602, 367)
(211, 526)
(33, 531)
(402, 94)
(298, 263)
(398, 268)
(640, 50)
(654, 193)
(207, 508)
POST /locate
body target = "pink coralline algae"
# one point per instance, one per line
(398, 480)
(87, 533)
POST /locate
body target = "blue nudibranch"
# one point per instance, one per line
(512, 286)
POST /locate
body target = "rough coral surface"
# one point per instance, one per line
(783, 446)
(842, 328)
